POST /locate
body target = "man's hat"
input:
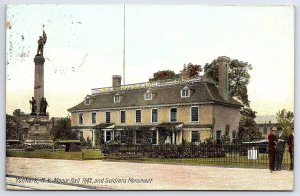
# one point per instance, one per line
(274, 129)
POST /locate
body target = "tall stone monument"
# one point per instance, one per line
(39, 133)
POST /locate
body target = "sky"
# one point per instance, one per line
(85, 48)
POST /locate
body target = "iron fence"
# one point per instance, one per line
(243, 155)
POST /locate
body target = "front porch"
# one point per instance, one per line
(160, 134)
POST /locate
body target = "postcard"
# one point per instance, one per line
(149, 97)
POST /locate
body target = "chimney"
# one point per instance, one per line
(116, 81)
(223, 62)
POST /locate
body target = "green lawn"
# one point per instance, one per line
(60, 154)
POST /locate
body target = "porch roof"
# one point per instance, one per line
(103, 125)
(197, 126)
(170, 125)
(135, 127)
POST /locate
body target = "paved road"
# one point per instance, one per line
(103, 175)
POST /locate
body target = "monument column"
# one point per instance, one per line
(39, 80)
(39, 134)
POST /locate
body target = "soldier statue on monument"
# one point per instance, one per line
(38, 102)
(43, 106)
(33, 105)
(41, 42)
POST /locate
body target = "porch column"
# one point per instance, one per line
(79, 135)
(93, 134)
(157, 137)
(104, 136)
(173, 137)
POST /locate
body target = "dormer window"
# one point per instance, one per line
(185, 92)
(87, 101)
(117, 98)
(148, 95)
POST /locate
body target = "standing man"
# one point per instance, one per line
(291, 149)
(279, 150)
(272, 146)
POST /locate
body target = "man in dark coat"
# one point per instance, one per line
(279, 150)
(272, 145)
(291, 149)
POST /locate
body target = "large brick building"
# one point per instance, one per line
(159, 112)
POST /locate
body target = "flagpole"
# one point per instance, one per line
(124, 49)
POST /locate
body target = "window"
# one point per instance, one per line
(195, 136)
(123, 117)
(194, 114)
(148, 95)
(173, 114)
(108, 136)
(154, 116)
(87, 101)
(80, 118)
(117, 98)
(138, 136)
(233, 136)
(185, 92)
(153, 139)
(138, 116)
(94, 118)
(123, 137)
(107, 117)
(218, 136)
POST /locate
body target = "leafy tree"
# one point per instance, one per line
(12, 128)
(13, 124)
(163, 75)
(190, 70)
(286, 120)
(62, 130)
(238, 77)
(248, 129)
(18, 112)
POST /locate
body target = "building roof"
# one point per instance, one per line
(201, 92)
(266, 119)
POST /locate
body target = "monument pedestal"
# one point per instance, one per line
(39, 133)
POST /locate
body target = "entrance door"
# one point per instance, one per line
(108, 136)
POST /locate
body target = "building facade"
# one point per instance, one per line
(168, 112)
(265, 124)
(265, 128)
